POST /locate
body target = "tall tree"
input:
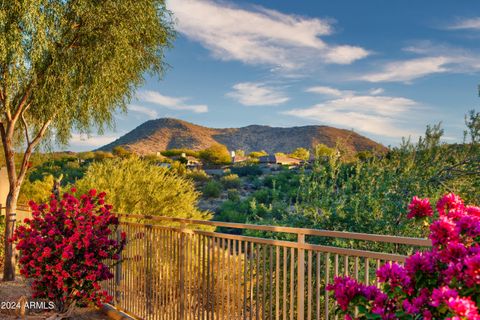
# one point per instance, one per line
(67, 65)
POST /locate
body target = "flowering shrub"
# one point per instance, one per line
(65, 246)
(443, 283)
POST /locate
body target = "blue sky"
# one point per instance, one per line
(385, 69)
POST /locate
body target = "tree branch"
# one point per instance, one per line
(22, 115)
(29, 150)
(23, 102)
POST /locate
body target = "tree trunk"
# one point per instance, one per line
(11, 205)
(10, 219)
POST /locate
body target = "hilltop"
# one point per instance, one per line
(167, 133)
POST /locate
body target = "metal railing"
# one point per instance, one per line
(175, 268)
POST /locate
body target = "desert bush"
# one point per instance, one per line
(137, 186)
(38, 190)
(102, 155)
(178, 152)
(257, 154)
(233, 195)
(300, 153)
(178, 168)
(216, 154)
(231, 181)
(67, 251)
(198, 175)
(212, 189)
(369, 196)
(122, 152)
(247, 170)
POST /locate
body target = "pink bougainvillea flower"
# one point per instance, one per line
(419, 208)
(449, 202)
(442, 283)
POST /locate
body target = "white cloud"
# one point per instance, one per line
(257, 94)
(83, 141)
(152, 114)
(376, 91)
(404, 71)
(259, 35)
(432, 59)
(472, 23)
(328, 91)
(173, 103)
(380, 115)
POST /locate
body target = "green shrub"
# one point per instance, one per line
(137, 186)
(247, 170)
(198, 175)
(231, 181)
(233, 195)
(300, 153)
(38, 190)
(216, 154)
(178, 152)
(258, 154)
(102, 155)
(212, 189)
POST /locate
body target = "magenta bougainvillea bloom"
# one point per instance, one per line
(443, 283)
(419, 208)
(65, 247)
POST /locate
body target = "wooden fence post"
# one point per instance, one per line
(301, 278)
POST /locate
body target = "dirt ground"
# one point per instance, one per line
(12, 292)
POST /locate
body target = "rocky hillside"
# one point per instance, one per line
(167, 133)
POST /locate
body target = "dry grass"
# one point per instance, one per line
(13, 291)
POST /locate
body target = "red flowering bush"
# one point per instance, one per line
(65, 247)
(443, 283)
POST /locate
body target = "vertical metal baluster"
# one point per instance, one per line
(264, 276)
(245, 265)
(345, 262)
(336, 275)
(309, 286)
(252, 283)
(367, 271)
(300, 278)
(292, 279)
(271, 283)
(235, 280)
(284, 311)
(215, 261)
(204, 278)
(317, 269)
(277, 283)
(376, 278)
(257, 280)
(228, 275)
(210, 301)
(327, 281)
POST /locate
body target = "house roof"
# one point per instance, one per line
(239, 158)
(280, 159)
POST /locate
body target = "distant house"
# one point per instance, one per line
(190, 161)
(193, 162)
(237, 159)
(280, 160)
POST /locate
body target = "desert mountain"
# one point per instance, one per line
(166, 133)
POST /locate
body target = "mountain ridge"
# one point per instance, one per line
(168, 133)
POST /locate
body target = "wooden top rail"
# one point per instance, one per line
(299, 231)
